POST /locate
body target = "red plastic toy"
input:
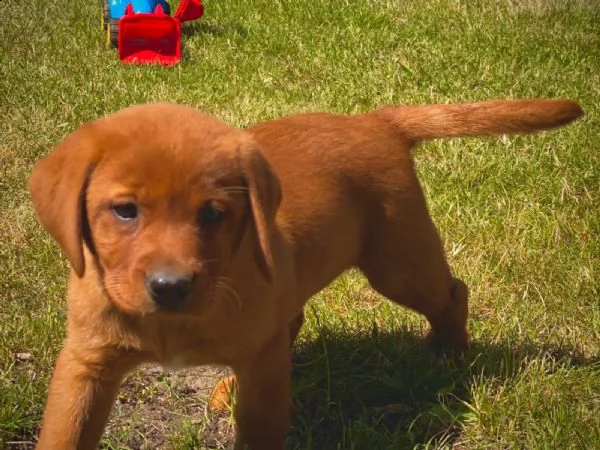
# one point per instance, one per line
(150, 37)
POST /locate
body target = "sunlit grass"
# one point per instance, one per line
(519, 216)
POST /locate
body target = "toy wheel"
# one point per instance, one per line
(105, 14)
(112, 33)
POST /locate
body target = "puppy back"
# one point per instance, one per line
(425, 122)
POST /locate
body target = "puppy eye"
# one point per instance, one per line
(209, 215)
(125, 211)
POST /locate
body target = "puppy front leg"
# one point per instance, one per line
(220, 397)
(264, 397)
(81, 394)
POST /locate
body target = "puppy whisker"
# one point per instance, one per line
(199, 266)
(229, 190)
(208, 261)
(224, 284)
(236, 189)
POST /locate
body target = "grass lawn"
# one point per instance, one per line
(520, 216)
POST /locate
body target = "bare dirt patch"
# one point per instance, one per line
(157, 409)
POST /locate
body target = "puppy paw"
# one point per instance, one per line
(221, 397)
(453, 344)
(449, 327)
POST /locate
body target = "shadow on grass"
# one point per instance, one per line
(377, 390)
(388, 390)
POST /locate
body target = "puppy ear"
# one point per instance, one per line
(57, 186)
(265, 197)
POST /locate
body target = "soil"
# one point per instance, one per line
(157, 409)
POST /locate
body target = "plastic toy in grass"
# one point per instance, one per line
(143, 31)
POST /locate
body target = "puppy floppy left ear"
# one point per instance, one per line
(57, 186)
(265, 196)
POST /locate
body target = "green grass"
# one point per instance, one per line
(519, 216)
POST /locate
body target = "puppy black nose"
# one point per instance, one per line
(169, 289)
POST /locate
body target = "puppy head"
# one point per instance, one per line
(161, 195)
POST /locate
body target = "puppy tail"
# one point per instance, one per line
(425, 122)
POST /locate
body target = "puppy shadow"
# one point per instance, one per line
(388, 390)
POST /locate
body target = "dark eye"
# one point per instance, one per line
(209, 215)
(125, 211)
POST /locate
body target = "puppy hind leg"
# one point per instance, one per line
(446, 308)
(448, 327)
(220, 399)
(413, 272)
(295, 327)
